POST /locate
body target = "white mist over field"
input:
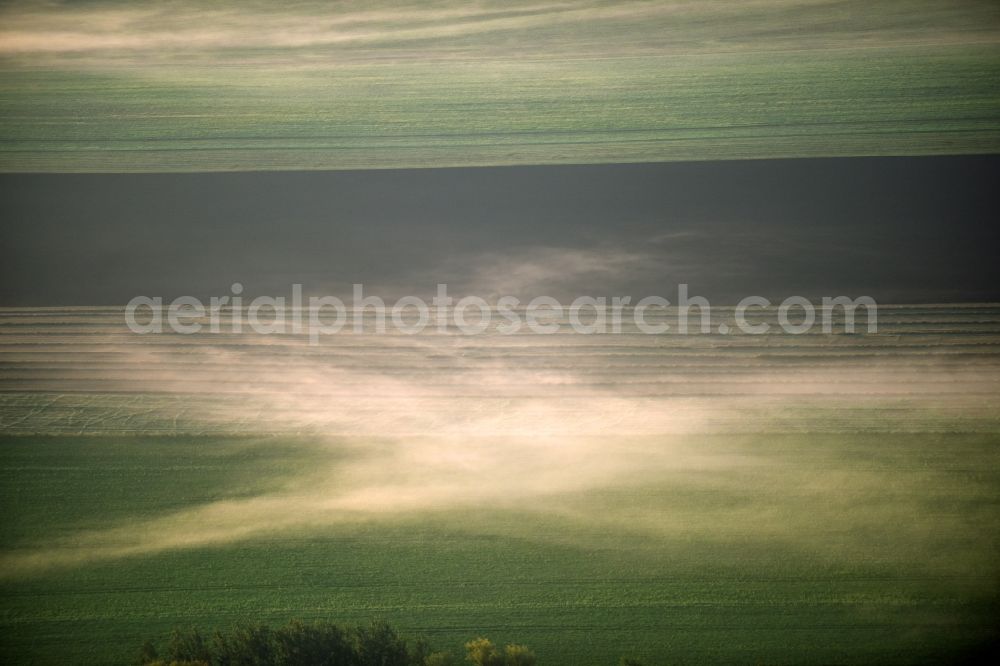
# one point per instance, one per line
(400, 427)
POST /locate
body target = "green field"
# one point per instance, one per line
(828, 549)
(104, 88)
(714, 498)
(684, 499)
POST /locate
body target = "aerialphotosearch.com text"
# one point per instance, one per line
(319, 316)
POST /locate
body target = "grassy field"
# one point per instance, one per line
(685, 499)
(390, 87)
(766, 561)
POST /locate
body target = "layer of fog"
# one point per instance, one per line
(177, 30)
(459, 432)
